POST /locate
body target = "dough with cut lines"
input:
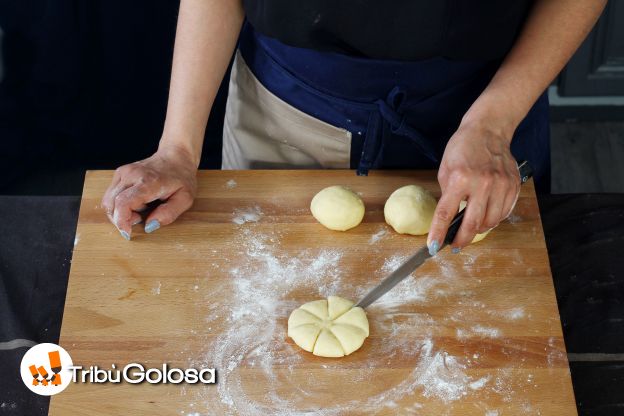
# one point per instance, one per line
(329, 327)
(337, 208)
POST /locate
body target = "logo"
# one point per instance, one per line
(46, 369)
(135, 373)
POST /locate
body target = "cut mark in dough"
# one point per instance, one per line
(328, 328)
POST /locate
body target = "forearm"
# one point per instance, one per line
(206, 36)
(552, 33)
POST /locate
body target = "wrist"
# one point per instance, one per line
(180, 149)
(494, 113)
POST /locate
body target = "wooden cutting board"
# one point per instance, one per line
(471, 333)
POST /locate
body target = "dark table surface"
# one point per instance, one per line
(584, 235)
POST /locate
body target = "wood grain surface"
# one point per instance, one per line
(474, 333)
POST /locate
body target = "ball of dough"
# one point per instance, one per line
(337, 208)
(409, 210)
(328, 328)
(477, 237)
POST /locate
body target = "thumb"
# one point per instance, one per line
(169, 211)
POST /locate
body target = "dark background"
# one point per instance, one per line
(84, 84)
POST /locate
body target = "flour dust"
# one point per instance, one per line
(261, 373)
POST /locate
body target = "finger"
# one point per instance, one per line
(136, 218)
(127, 204)
(169, 211)
(494, 208)
(121, 187)
(445, 211)
(471, 223)
(510, 203)
(511, 199)
(108, 200)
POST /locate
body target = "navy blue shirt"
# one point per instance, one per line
(394, 29)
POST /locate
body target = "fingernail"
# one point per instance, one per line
(137, 221)
(455, 250)
(125, 235)
(152, 226)
(433, 248)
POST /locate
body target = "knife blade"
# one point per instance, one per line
(422, 255)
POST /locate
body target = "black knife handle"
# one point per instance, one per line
(525, 171)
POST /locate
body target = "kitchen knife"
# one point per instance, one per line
(422, 255)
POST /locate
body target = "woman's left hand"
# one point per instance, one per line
(478, 168)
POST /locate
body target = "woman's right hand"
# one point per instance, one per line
(169, 175)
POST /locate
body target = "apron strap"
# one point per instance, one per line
(389, 118)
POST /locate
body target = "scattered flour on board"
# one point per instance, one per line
(487, 332)
(479, 384)
(244, 215)
(266, 283)
(514, 314)
(441, 375)
(392, 263)
(156, 290)
(378, 236)
(415, 288)
(478, 330)
(231, 184)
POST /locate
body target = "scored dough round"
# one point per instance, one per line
(337, 208)
(477, 237)
(409, 210)
(328, 328)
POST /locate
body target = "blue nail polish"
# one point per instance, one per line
(152, 226)
(433, 248)
(455, 250)
(125, 235)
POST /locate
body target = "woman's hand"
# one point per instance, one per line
(169, 175)
(477, 167)
(205, 40)
(477, 164)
